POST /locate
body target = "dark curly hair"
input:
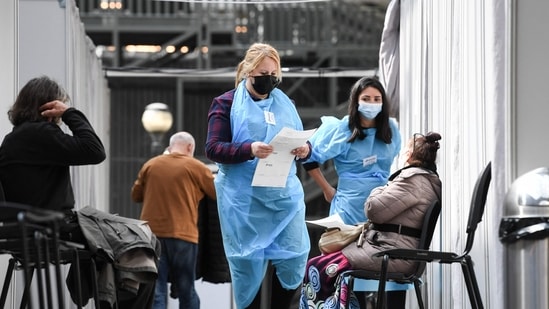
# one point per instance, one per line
(424, 150)
(37, 91)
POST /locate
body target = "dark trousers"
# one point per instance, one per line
(177, 261)
(395, 299)
(280, 298)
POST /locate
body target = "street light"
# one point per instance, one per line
(157, 120)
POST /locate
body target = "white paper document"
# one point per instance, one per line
(332, 221)
(273, 170)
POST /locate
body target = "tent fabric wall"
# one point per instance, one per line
(8, 81)
(51, 40)
(87, 85)
(498, 94)
(453, 79)
(389, 55)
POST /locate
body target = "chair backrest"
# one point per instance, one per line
(428, 229)
(18, 222)
(11, 211)
(478, 203)
(429, 224)
(10, 228)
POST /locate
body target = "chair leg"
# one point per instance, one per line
(94, 282)
(93, 272)
(471, 283)
(7, 280)
(418, 294)
(26, 290)
(28, 271)
(37, 266)
(381, 295)
(57, 265)
(76, 257)
(350, 282)
(46, 261)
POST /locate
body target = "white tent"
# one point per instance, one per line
(473, 71)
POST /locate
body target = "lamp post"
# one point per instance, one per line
(157, 120)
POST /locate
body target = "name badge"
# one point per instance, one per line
(269, 117)
(369, 161)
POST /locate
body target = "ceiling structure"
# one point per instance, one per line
(211, 34)
(166, 50)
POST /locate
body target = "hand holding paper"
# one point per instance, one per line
(273, 170)
(261, 150)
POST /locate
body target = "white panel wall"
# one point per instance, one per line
(52, 41)
(531, 73)
(42, 41)
(8, 61)
(452, 57)
(8, 76)
(476, 71)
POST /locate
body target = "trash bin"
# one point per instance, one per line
(524, 232)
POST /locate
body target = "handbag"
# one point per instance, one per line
(335, 239)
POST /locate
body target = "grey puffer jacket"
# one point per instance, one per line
(404, 200)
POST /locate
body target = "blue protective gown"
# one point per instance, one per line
(361, 166)
(261, 224)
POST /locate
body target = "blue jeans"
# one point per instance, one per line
(178, 259)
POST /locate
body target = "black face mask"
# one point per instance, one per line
(264, 84)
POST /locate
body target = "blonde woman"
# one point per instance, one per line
(260, 225)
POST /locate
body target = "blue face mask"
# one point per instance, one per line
(369, 110)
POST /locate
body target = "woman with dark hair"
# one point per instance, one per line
(36, 156)
(362, 144)
(35, 161)
(402, 202)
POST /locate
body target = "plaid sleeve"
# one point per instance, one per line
(219, 145)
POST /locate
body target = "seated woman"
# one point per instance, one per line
(404, 200)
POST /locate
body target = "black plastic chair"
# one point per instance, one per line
(31, 236)
(476, 211)
(427, 231)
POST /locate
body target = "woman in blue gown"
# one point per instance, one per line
(363, 146)
(260, 225)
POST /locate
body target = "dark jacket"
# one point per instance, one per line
(35, 159)
(211, 263)
(128, 248)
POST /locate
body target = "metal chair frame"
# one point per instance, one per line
(31, 236)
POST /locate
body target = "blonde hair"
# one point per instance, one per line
(254, 55)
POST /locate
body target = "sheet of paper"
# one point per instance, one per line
(331, 222)
(273, 170)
